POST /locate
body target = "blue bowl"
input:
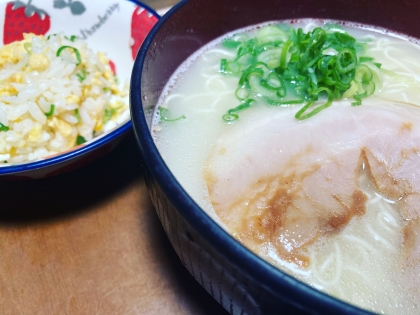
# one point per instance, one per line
(239, 280)
(116, 24)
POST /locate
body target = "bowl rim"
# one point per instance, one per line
(215, 236)
(14, 169)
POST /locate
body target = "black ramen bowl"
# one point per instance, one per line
(239, 280)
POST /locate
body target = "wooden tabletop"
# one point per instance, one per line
(90, 242)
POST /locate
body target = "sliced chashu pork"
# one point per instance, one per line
(287, 182)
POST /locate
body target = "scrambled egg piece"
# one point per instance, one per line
(14, 52)
(61, 126)
(38, 62)
(73, 99)
(35, 133)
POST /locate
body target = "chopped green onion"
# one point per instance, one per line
(223, 64)
(231, 115)
(240, 107)
(51, 111)
(283, 66)
(352, 90)
(269, 56)
(357, 102)
(284, 102)
(231, 44)
(72, 38)
(367, 89)
(82, 75)
(162, 112)
(77, 115)
(229, 67)
(281, 92)
(109, 112)
(283, 56)
(273, 81)
(346, 60)
(49, 36)
(242, 93)
(271, 33)
(344, 39)
(230, 118)
(299, 115)
(272, 87)
(3, 127)
(106, 89)
(364, 59)
(75, 50)
(28, 48)
(363, 74)
(80, 140)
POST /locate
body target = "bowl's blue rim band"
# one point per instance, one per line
(198, 220)
(143, 5)
(19, 168)
(15, 169)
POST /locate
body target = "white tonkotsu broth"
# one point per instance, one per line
(365, 262)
